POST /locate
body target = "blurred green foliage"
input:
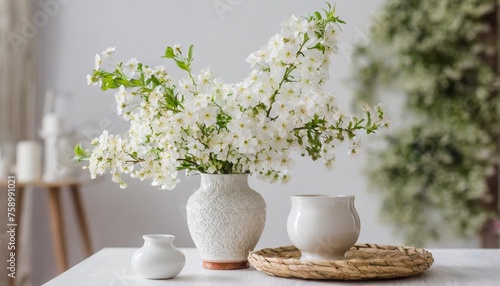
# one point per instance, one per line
(441, 55)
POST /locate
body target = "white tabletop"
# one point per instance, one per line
(111, 267)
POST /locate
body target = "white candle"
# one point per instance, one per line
(28, 161)
(51, 125)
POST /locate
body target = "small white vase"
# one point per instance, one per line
(225, 218)
(158, 258)
(323, 227)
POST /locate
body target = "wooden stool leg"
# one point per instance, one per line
(57, 222)
(81, 217)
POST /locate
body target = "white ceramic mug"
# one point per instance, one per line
(323, 227)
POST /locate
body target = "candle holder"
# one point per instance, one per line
(58, 139)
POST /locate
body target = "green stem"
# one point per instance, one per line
(189, 161)
(288, 71)
(272, 99)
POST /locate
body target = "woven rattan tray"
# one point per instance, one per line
(363, 262)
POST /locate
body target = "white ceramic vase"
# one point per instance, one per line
(323, 227)
(158, 258)
(225, 218)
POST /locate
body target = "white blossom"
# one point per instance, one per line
(108, 52)
(130, 67)
(97, 62)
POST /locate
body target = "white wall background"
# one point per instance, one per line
(142, 29)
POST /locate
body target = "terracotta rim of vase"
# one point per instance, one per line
(225, 265)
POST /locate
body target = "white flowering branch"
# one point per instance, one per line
(201, 124)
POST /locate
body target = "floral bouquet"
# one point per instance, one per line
(199, 123)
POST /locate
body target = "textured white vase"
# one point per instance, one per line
(323, 227)
(158, 258)
(225, 218)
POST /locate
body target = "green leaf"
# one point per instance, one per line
(79, 150)
(122, 81)
(182, 65)
(318, 15)
(135, 82)
(318, 46)
(190, 53)
(80, 154)
(155, 81)
(306, 37)
(111, 85)
(142, 78)
(169, 53)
